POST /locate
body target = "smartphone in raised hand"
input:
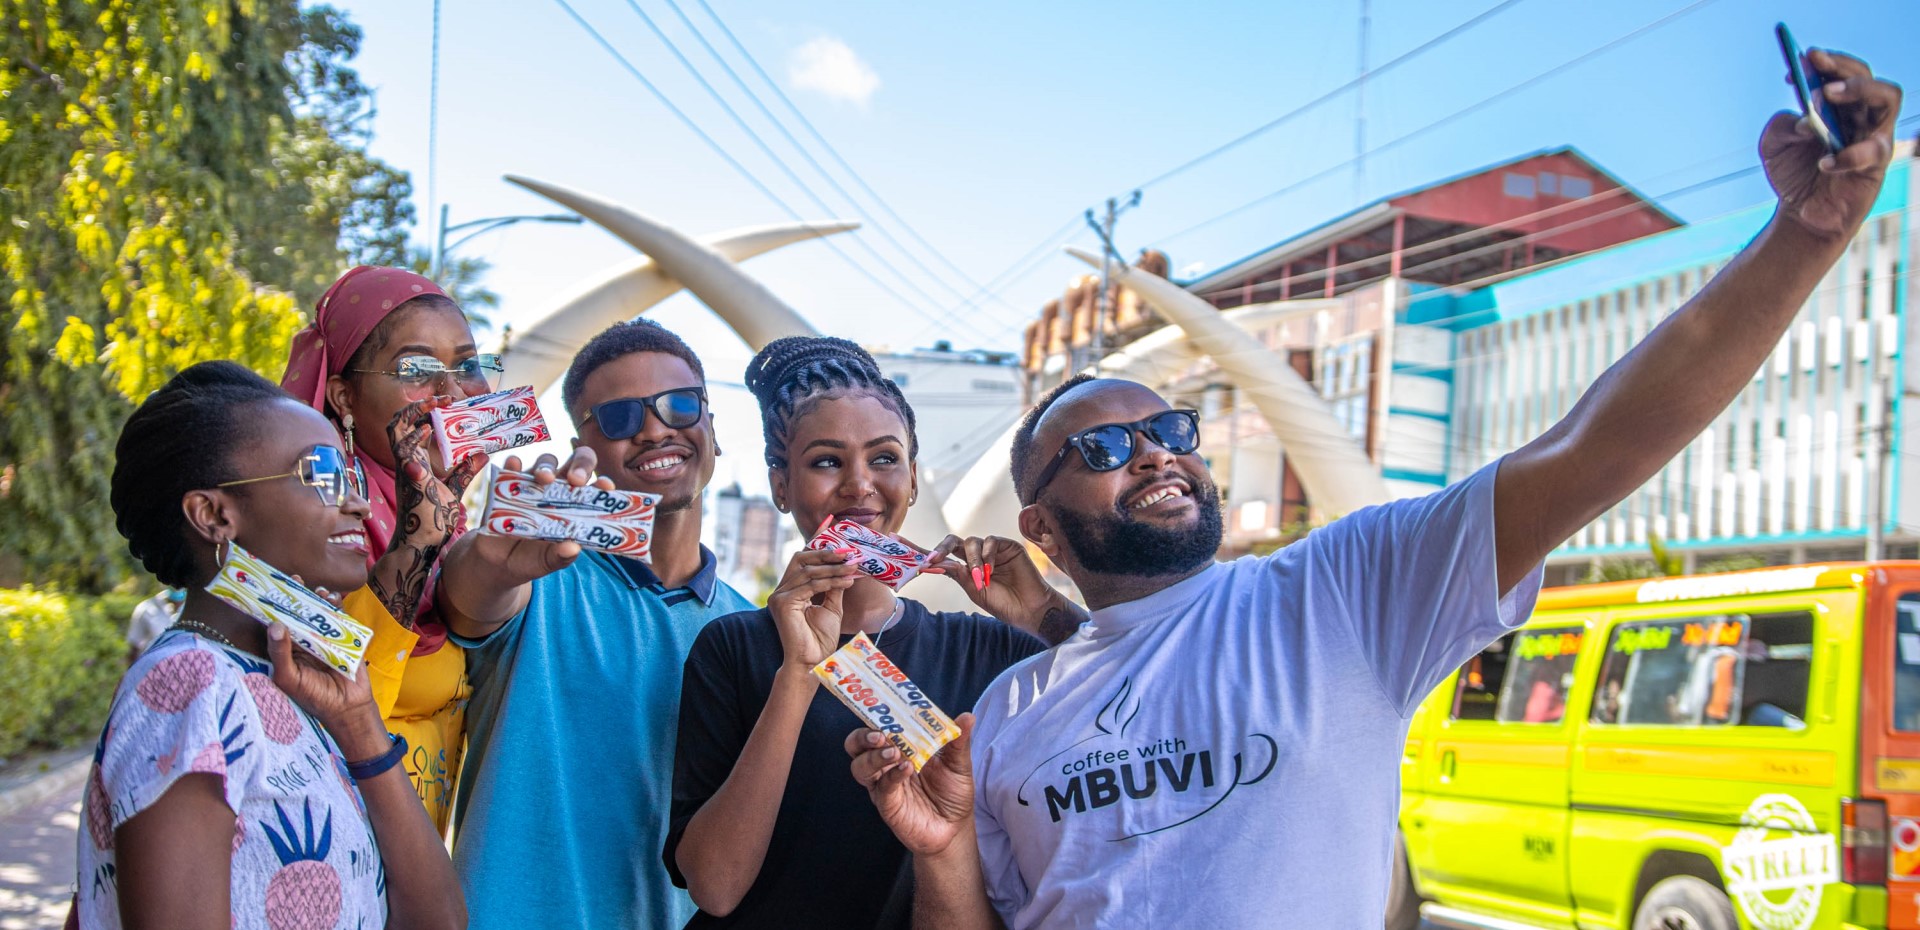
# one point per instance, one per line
(1822, 118)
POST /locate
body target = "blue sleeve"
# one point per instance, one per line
(1417, 581)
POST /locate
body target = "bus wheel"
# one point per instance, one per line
(1403, 902)
(1685, 903)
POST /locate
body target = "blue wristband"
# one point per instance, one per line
(361, 771)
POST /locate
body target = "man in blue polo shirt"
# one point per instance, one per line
(575, 659)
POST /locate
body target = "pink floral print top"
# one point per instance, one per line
(303, 853)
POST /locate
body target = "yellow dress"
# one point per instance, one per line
(422, 698)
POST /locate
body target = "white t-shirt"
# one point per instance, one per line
(1225, 752)
(303, 852)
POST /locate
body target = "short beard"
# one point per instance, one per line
(1114, 543)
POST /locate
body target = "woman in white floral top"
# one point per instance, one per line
(239, 782)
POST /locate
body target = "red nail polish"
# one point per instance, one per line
(987, 570)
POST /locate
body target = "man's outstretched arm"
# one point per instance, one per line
(1642, 411)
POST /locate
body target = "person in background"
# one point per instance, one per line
(150, 617)
(386, 346)
(239, 783)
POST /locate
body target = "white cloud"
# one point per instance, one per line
(827, 66)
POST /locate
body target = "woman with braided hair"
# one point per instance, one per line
(767, 828)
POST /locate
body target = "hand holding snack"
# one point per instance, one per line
(480, 426)
(510, 561)
(806, 604)
(927, 809)
(880, 693)
(888, 560)
(339, 702)
(999, 576)
(313, 618)
(428, 506)
(619, 522)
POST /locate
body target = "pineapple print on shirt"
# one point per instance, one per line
(303, 854)
(305, 893)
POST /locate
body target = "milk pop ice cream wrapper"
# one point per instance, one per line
(890, 561)
(882, 696)
(269, 594)
(488, 423)
(619, 522)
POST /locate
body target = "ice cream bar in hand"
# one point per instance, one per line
(620, 522)
(884, 698)
(890, 561)
(488, 423)
(269, 594)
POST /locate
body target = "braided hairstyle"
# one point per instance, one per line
(180, 439)
(790, 374)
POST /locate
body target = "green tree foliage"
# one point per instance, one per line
(178, 179)
(60, 656)
(1663, 562)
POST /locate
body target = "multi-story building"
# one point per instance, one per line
(1449, 325)
(963, 400)
(748, 536)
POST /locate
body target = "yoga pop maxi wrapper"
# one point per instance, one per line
(269, 594)
(488, 423)
(620, 522)
(890, 561)
(882, 696)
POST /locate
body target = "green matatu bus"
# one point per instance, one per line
(1738, 750)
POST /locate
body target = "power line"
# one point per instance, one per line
(1028, 262)
(768, 151)
(1451, 117)
(1357, 81)
(777, 124)
(726, 156)
(824, 144)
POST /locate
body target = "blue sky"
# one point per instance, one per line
(989, 126)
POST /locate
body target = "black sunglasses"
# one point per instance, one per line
(1110, 445)
(623, 418)
(325, 469)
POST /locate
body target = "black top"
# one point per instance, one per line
(863, 879)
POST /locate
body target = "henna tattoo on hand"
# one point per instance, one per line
(428, 512)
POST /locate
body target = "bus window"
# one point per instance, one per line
(1778, 664)
(1478, 691)
(1539, 676)
(1729, 670)
(1906, 664)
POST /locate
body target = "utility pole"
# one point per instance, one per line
(439, 247)
(1108, 255)
(1879, 451)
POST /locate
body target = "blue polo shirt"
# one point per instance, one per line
(563, 801)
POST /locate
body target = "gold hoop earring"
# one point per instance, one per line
(346, 424)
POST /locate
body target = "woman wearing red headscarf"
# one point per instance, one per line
(386, 346)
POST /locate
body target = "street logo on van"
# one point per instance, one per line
(1778, 866)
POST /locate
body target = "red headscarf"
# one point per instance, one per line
(346, 313)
